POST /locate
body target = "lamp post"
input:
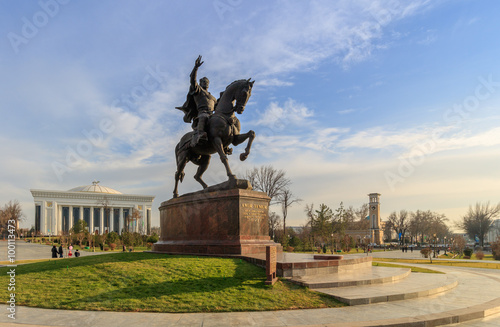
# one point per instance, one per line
(434, 245)
(445, 245)
(332, 243)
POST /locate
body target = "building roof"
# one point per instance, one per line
(95, 188)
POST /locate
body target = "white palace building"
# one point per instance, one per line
(102, 208)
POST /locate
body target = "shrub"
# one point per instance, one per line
(495, 249)
(48, 243)
(112, 246)
(426, 252)
(466, 257)
(480, 255)
(468, 252)
(112, 237)
(290, 249)
(149, 245)
(153, 239)
(106, 248)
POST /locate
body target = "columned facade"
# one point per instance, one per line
(101, 208)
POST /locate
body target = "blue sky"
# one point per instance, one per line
(351, 97)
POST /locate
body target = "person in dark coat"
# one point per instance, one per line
(54, 252)
(60, 251)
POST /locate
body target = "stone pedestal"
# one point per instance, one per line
(221, 222)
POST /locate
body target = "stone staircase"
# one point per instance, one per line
(398, 285)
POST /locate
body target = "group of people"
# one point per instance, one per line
(404, 249)
(60, 253)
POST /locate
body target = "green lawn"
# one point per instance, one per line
(450, 256)
(454, 263)
(155, 282)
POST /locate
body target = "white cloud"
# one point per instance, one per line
(346, 111)
(280, 117)
(292, 36)
(273, 82)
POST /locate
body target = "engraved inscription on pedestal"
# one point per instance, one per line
(253, 211)
(254, 217)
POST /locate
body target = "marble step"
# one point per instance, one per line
(416, 285)
(373, 275)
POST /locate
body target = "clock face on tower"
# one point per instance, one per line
(374, 207)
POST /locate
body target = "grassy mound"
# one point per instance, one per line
(155, 282)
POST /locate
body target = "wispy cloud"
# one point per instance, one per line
(346, 111)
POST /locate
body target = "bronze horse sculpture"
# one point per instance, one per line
(223, 129)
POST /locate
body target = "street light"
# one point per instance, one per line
(445, 245)
(332, 244)
(434, 245)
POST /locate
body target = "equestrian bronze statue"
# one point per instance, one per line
(215, 126)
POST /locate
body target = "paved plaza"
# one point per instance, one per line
(28, 251)
(477, 292)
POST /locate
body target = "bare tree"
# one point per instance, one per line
(287, 199)
(12, 211)
(274, 222)
(388, 231)
(478, 220)
(400, 223)
(134, 216)
(356, 218)
(459, 244)
(269, 180)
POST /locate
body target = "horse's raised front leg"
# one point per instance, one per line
(217, 142)
(238, 139)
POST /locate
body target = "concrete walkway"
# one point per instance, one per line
(476, 295)
(29, 251)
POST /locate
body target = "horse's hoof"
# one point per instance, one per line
(243, 156)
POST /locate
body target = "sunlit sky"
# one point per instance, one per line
(351, 97)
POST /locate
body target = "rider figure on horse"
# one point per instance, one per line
(199, 105)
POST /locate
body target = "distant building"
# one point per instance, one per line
(494, 231)
(375, 231)
(102, 208)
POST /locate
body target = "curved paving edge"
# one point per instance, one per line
(449, 284)
(310, 317)
(401, 274)
(435, 319)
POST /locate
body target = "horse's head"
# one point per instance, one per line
(242, 95)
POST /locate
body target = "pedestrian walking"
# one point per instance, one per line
(54, 252)
(60, 251)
